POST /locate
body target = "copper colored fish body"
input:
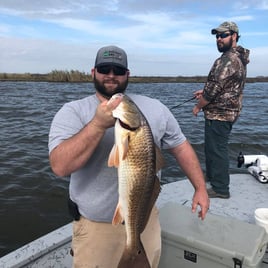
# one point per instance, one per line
(135, 156)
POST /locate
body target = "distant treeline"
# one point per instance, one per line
(77, 76)
(53, 76)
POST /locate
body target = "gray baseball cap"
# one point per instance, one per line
(226, 26)
(111, 55)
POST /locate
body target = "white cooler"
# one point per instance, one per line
(216, 242)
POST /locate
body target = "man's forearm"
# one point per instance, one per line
(73, 153)
(188, 161)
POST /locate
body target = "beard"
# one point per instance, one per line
(222, 47)
(100, 87)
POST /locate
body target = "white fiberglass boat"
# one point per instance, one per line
(228, 237)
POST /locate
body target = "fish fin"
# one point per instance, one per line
(134, 258)
(114, 156)
(118, 216)
(113, 160)
(124, 146)
(160, 161)
(154, 196)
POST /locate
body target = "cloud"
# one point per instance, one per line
(43, 56)
(169, 38)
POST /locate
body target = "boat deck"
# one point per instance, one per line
(247, 194)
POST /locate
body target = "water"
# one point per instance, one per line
(33, 199)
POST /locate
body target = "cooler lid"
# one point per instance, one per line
(218, 235)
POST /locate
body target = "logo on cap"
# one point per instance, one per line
(112, 54)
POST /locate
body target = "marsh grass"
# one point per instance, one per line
(76, 76)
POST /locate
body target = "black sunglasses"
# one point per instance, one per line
(223, 35)
(106, 69)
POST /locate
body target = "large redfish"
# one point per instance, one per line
(138, 160)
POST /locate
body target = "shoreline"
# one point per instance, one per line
(81, 77)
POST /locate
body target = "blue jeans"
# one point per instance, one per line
(216, 152)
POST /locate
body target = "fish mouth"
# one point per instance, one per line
(126, 126)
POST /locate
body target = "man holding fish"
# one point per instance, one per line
(115, 219)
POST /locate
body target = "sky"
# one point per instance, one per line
(161, 37)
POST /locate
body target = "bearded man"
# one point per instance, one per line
(221, 101)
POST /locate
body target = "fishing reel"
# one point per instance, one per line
(257, 166)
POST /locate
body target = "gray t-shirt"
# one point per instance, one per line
(94, 187)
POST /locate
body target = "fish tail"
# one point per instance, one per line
(134, 258)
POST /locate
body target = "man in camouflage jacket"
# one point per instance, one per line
(221, 102)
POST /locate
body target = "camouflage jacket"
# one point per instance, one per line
(225, 84)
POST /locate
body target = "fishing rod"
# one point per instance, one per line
(178, 105)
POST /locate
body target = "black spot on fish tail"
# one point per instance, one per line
(134, 259)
